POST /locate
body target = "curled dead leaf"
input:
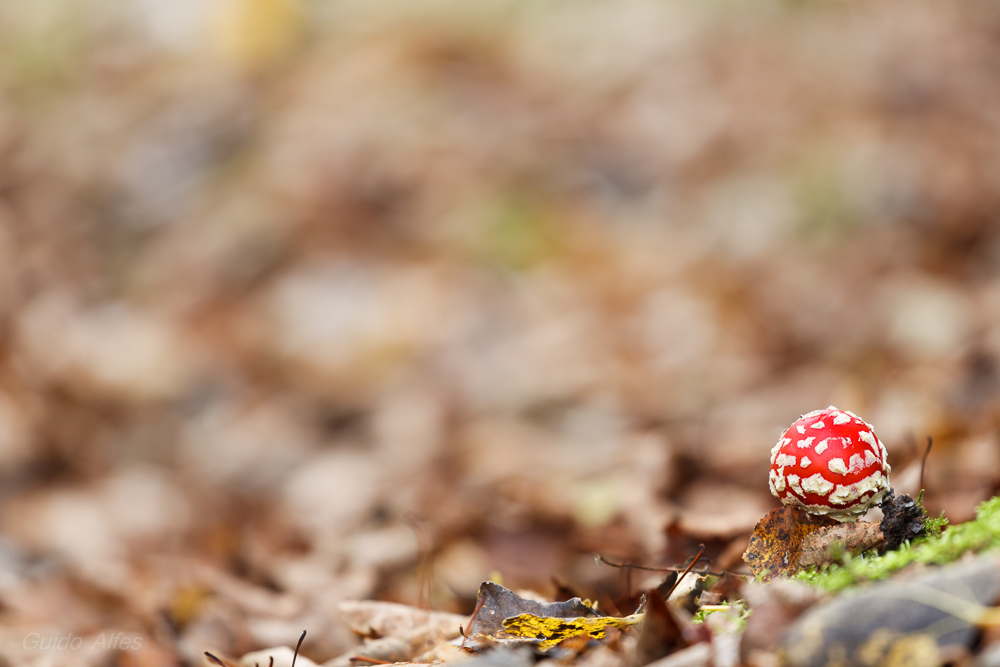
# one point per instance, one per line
(495, 604)
(855, 538)
(788, 540)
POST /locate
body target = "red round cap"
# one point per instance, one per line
(830, 462)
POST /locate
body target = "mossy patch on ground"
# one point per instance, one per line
(981, 534)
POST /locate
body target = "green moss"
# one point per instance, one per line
(938, 547)
(934, 527)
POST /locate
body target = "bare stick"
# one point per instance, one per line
(297, 647)
(701, 551)
(601, 560)
(923, 461)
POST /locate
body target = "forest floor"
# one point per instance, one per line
(309, 302)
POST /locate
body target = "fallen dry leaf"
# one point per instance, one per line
(787, 540)
(817, 547)
(662, 633)
(369, 618)
(547, 631)
(496, 604)
(396, 648)
(395, 632)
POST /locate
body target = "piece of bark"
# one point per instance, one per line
(904, 519)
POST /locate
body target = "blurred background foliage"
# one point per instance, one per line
(306, 300)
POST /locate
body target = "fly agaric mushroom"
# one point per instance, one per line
(829, 462)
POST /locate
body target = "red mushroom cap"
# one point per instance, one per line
(830, 462)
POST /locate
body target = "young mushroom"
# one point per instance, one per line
(830, 462)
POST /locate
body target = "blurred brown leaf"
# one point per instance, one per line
(372, 618)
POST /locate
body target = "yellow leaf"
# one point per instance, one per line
(554, 630)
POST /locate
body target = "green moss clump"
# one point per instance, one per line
(938, 547)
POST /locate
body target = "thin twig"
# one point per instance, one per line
(601, 560)
(923, 461)
(297, 647)
(701, 551)
(475, 612)
(425, 571)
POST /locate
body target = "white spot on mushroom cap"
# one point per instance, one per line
(818, 424)
(785, 460)
(870, 439)
(774, 452)
(806, 442)
(776, 480)
(870, 458)
(838, 466)
(833, 512)
(805, 462)
(876, 482)
(867, 493)
(801, 429)
(841, 418)
(817, 484)
(793, 482)
(821, 447)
